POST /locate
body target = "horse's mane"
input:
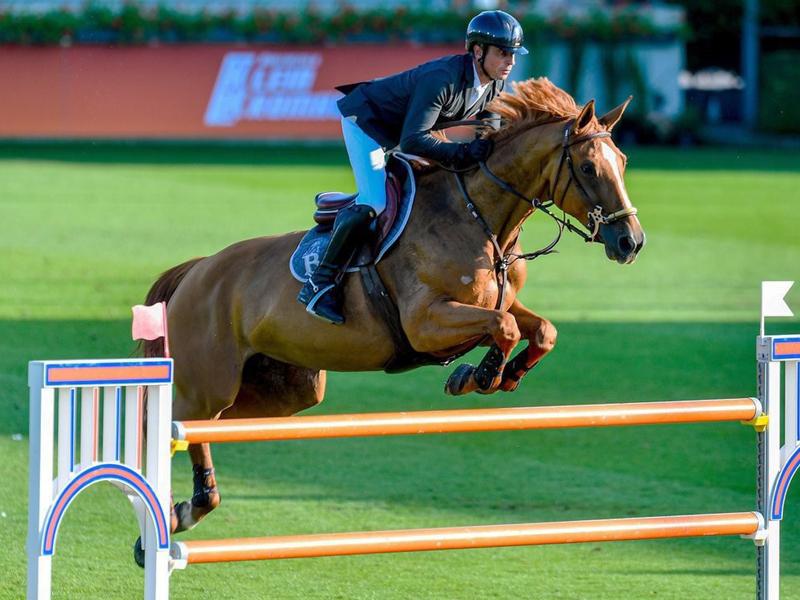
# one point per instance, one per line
(534, 101)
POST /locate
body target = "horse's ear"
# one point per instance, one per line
(611, 118)
(585, 117)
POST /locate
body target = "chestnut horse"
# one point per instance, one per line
(244, 347)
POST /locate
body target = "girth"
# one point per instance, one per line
(404, 357)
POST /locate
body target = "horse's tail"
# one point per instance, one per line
(161, 291)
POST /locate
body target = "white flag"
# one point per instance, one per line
(772, 302)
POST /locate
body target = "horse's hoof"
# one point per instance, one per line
(459, 379)
(183, 516)
(138, 552)
(509, 385)
(511, 380)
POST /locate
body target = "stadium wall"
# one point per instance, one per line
(194, 92)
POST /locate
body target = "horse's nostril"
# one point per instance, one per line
(626, 244)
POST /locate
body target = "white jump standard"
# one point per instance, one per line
(150, 490)
(122, 383)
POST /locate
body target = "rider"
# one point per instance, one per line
(400, 110)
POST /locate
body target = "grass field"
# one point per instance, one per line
(86, 228)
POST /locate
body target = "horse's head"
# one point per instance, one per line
(555, 151)
(586, 181)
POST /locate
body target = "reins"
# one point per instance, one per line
(502, 263)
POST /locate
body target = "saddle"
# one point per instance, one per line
(400, 194)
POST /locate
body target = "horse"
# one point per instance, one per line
(244, 347)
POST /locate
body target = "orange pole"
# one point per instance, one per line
(454, 538)
(447, 421)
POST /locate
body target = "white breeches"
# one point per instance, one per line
(368, 161)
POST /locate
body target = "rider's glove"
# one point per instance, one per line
(471, 153)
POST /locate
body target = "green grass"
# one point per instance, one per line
(86, 228)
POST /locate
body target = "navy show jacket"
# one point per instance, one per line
(401, 109)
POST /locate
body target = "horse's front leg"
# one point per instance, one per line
(448, 324)
(541, 335)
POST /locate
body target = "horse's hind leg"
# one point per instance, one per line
(269, 388)
(189, 404)
(205, 498)
(203, 391)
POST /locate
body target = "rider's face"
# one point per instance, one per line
(498, 62)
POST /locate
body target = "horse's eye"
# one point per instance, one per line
(587, 168)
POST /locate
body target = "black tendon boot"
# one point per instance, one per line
(320, 294)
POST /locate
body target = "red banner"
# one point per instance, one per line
(188, 92)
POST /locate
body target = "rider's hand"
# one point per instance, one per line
(471, 153)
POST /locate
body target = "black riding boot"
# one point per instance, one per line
(320, 293)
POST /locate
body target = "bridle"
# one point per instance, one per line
(596, 216)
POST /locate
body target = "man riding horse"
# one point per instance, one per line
(401, 110)
(455, 274)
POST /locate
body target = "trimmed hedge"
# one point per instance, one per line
(135, 24)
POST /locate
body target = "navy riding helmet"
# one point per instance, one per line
(495, 28)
